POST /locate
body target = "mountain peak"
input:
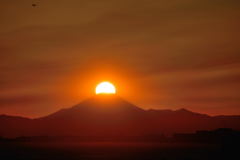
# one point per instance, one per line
(4, 116)
(183, 110)
(107, 102)
(99, 105)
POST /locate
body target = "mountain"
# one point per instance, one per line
(112, 116)
(12, 126)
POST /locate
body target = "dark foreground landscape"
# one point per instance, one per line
(111, 150)
(202, 145)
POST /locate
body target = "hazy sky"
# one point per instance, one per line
(165, 54)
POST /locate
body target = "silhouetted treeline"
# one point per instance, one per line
(218, 136)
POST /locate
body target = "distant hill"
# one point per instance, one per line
(112, 116)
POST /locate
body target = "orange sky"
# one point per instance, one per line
(159, 53)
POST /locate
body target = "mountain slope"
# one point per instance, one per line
(12, 126)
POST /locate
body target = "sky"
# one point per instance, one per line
(161, 54)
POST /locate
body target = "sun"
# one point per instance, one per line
(105, 88)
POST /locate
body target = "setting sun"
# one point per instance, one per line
(105, 88)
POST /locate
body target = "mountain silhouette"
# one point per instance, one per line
(112, 116)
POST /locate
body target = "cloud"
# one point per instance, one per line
(22, 100)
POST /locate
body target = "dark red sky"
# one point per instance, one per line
(159, 53)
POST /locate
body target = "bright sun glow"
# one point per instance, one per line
(105, 88)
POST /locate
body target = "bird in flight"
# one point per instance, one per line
(35, 4)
